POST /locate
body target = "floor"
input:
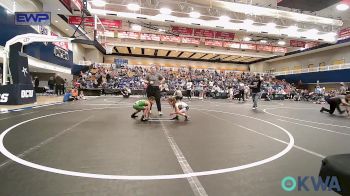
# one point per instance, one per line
(93, 147)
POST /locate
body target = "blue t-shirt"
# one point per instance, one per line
(66, 97)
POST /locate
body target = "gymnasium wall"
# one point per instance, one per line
(177, 63)
(335, 76)
(329, 57)
(259, 67)
(79, 53)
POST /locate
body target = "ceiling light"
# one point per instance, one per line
(247, 39)
(66, 29)
(342, 7)
(59, 9)
(133, 7)
(293, 28)
(56, 20)
(332, 34)
(161, 30)
(263, 41)
(99, 3)
(248, 21)
(271, 25)
(224, 18)
(136, 27)
(8, 12)
(313, 31)
(281, 43)
(165, 10)
(195, 14)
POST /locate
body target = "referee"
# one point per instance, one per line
(153, 81)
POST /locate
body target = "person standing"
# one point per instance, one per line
(51, 84)
(153, 81)
(59, 85)
(255, 86)
(189, 87)
(241, 91)
(36, 82)
(342, 89)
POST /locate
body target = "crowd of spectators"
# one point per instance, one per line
(198, 82)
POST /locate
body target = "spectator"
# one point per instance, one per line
(51, 84)
(36, 82)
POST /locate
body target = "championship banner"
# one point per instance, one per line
(204, 33)
(169, 38)
(265, 48)
(90, 21)
(150, 37)
(297, 43)
(235, 45)
(190, 40)
(224, 35)
(279, 49)
(128, 35)
(311, 44)
(213, 43)
(76, 20)
(248, 46)
(182, 30)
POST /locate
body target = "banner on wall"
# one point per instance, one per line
(169, 38)
(235, 45)
(204, 33)
(128, 35)
(265, 48)
(182, 30)
(224, 35)
(248, 46)
(297, 43)
(344, 34)
(90, 22)
(311, 44)
(216, 43)
(190, 40)
(279, 49)
(150, 37)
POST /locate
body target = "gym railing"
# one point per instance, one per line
(314, 69)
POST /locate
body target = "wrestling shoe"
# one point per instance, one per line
(133, 116)
(322, 109)
(186, 118)
(160, 113)
(143, 119)
(175, 118)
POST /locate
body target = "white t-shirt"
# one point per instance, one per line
(189, 85)
(181, 105)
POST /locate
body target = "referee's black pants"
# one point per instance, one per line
(155, 92)
(333, 105)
